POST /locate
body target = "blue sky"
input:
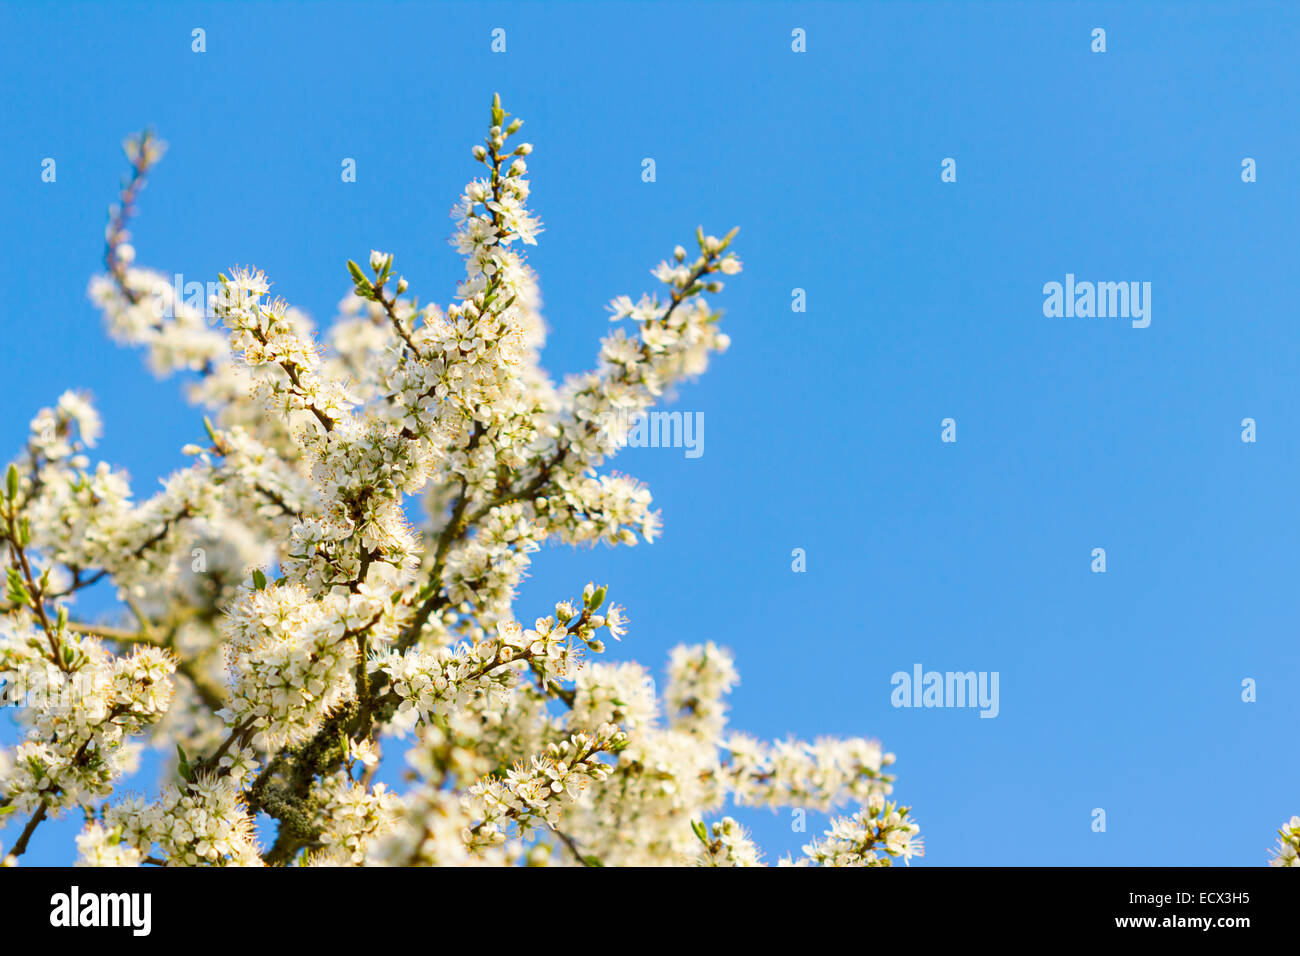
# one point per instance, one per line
(1120, 690)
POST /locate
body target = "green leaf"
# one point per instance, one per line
(700, 831)
(11, 482)
(259, 579)
(5, 811)
(183, 764)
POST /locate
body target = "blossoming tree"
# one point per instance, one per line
(288, 618)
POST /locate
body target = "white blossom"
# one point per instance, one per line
(1287, 851)
(288, 615)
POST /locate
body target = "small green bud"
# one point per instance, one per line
(15, 590)
(359, 280)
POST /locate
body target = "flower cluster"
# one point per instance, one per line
(699, 678)
(350, 818)
(291, 659)
(795, 773)
(874, 836)
(97, 846)
(288, 610)
(83, 706)
(532, 794)
(726, 844)
(202, 823)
